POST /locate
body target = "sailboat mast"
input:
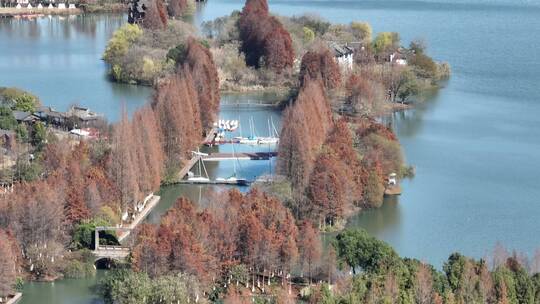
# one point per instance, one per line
(204, 167)
(274, 127)
(234, 161)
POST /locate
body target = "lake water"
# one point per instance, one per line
(475, 145)
(59, 60)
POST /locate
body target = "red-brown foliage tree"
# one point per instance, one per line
(176, 245)
(123, 166)
(310, 247)
(91, 183)
(205, 78)
(254, 230)
(321, 65)
(149, 149)
(149, 255)
(360, 94)
(264, 39)
(177, 110)
(105, 192)
(254, 11)
(8, 264)
(340, 141)
(367, 126)
(278, 52)
(326, 190)
(155, 16)
(35, 213)
(75, 208)
(305, 126)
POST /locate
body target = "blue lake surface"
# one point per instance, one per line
(475, 145)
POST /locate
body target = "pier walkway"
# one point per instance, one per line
(224, 156)
(242, 156)
(121, 252)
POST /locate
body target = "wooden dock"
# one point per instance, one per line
(184, 171)
(392, 190)
(213, 182)
(220, 157)
(224, 156)
(242, 156)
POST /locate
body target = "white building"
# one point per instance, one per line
(398, 58)
(343, 54)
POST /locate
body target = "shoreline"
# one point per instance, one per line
(12, 12)
(15, 299)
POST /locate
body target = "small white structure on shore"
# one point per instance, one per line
(50, 6)
(344, 55)
(29, 6)
(40, 6)
(61, 6)
(18, 6)
(398, 58)
(71, 6)
(392, 179)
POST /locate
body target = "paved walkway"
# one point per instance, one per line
(15, 298)
(139, 218)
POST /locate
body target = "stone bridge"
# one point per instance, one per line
(119, 253)
(110, 252)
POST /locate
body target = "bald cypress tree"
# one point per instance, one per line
(265, 42)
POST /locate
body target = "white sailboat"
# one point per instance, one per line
(200, 178)
(272, 138)
(227, 125)
(251, 140)
(233, 179)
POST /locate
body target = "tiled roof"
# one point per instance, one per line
(340, 50)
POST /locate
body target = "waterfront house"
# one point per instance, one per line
(50, 116)
(344, 55)
(83, 117)
(25, 117)
(398, 57)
